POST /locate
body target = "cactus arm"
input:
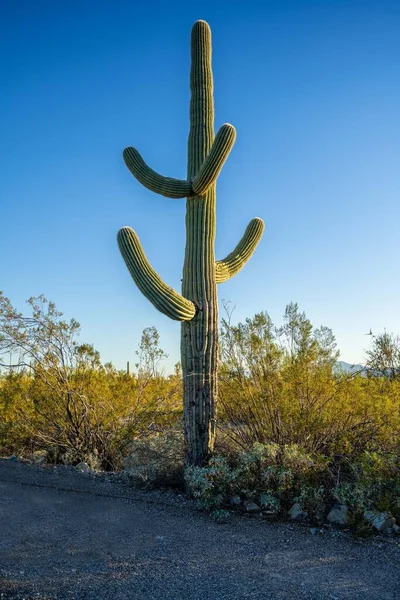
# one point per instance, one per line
(180, 188)
(212, 165)
(235, 261)
(166, 186)
(149, 282)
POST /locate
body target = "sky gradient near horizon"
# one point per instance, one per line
(313, 89)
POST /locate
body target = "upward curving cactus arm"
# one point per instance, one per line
(235, 261)
(149, 282)
(180, 188)
(166, 186)
(211, 167)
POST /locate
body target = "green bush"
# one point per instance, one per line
(276, 477)
(372, 482)
(269, 475)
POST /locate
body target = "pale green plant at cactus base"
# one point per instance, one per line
(197, 306)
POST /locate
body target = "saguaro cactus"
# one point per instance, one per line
(197, 307)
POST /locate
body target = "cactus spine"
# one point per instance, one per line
(197, 307)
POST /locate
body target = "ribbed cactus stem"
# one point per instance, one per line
(199, 341)
(197, 307)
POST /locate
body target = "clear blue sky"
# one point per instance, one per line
(313, 89)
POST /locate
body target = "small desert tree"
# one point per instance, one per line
(278, 384)
(61, 371)
(384, 356)
(64, 397)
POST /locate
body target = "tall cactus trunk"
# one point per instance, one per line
(199, 343)
(197, 307)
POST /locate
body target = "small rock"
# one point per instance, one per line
(13, 458)
(315, 530)
(396, 528)
(381, 521)
(83, 467)
(338, 514)
(235, 500)
(297, 513)
(252, 507)
(269, 513)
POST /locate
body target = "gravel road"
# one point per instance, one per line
(69, 535)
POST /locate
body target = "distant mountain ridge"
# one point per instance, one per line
(341, 365)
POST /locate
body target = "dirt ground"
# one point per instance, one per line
(69, 535)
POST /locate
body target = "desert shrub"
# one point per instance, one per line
(371, 482)
(268, 474)
(97, 417)
(279, 472)
(15, 438)
(59, 396)
(292, 428)
(314, 500)
(156, 460)
(211, 486)
(276, 477)
(280, 385)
